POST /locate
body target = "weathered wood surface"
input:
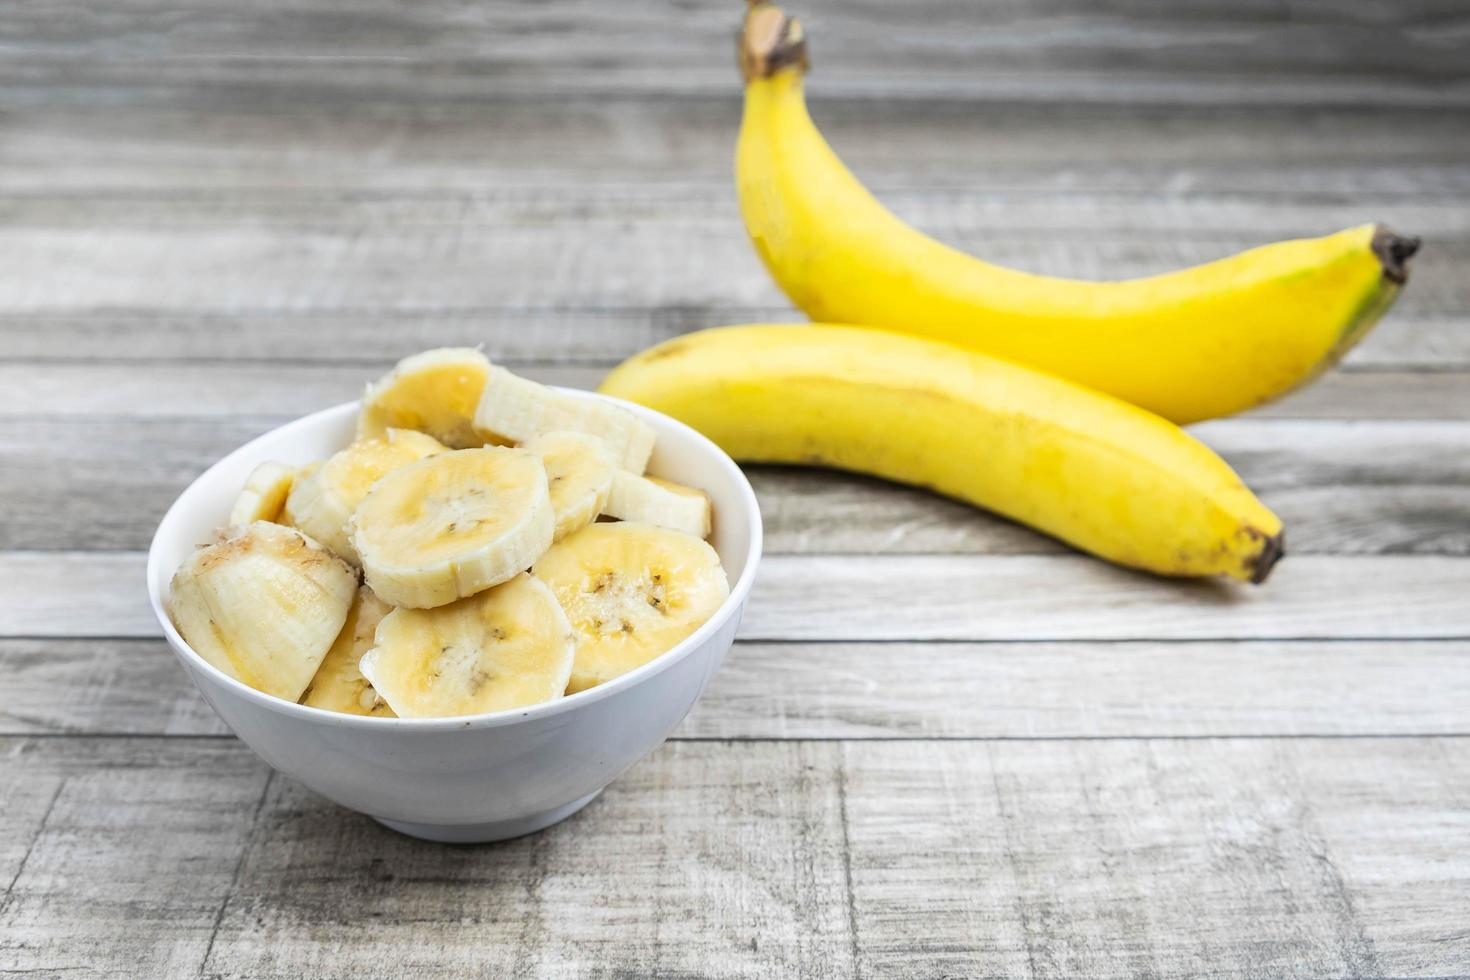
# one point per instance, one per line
(1341, 487)
(771, 690)
(598, 246)
(280, 54)
(1232, 858)
(913, 597)
(943, 745)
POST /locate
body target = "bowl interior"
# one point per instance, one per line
(680, 454)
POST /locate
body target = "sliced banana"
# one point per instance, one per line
(263, 604)
(662, 502)
(285, 516)
(435, 391)
(579, 473)
(321, 503)
(264, 494)
(632, 591)
(452, 525)
(503, 648)
(339, 684)
(514, 409)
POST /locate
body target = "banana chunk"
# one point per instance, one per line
(632, 591)
(435, 391)
(453, 524)
(506, 647)
(321, 503)
(580, 472)
(285, 516)
(513, 409)
(339, 684)
(662, 502)
(264, 604)
(264, 494)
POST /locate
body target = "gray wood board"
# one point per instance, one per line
(1342, 487)
(282, 54)
(887, 690)
(183, 857)
(1331, 155)
(913, 597)
(597, 247)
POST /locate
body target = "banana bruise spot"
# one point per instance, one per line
(1394, 252)
(770, 42)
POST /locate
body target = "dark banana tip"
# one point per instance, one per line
(769, 42)
(1273, 549)
(1394, 252)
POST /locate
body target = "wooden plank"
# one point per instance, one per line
(886, 690)
(274, 392)
(292, 54)
(1314, 153)
(1341, 487)
(1405, 343)
(140, 847)
(598, 247)
(913, 597)
(691, 862)
(1122, 859)
(1108, 859)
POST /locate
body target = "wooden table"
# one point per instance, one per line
(944, 745)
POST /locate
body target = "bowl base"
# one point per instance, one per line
(483, 833)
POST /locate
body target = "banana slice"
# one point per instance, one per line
(662, 502)
(285, 516)
(263, 604)
(264, 494)
(579, 472)
(632, 591)
(321, 504)
(453, 524)
(513, 409)
(506, 647)
(339, 684)
(435, 391)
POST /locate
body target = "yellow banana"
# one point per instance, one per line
(1190, 345)
(1098, 473)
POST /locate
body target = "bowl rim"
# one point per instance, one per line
(734, 602)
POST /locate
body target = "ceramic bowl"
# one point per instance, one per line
(479, 777)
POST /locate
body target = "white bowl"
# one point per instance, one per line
(479, 777)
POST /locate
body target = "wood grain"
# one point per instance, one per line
(206, 54)
(1045, 859)
(913, 597)
(598, 247)
(1119, 859)
(1278, 152)
(886, 690)
(1341, 487)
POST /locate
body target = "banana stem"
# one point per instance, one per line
(1394, 251)
(770, 42)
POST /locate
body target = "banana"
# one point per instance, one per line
(339, 684)
(505, 647)
(263, 603)
(264, 494)
(1100, 474)
(300, 476)
(1194, 344)
(321, 503)
(663, 502)
(632, 591)
(579, 473)
(434, 391)
(514, 409)
(453, 524)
